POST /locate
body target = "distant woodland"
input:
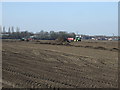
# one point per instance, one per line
(16, 33)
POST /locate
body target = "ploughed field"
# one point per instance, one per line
(86, 64)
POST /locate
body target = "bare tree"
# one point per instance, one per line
(17, 29)
(12, 29)
(0, 29)
(0, 32)
(9, 30)
(4, 31)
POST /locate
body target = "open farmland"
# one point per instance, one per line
(86, 64)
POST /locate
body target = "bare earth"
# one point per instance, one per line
(83, 64)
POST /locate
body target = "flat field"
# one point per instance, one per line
(86, 64)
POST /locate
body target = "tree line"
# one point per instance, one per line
(15, 33)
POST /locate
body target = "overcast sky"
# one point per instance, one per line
(90, 18)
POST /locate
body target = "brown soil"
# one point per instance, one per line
(35, 65)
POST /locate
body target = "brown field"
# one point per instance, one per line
(86, 64)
